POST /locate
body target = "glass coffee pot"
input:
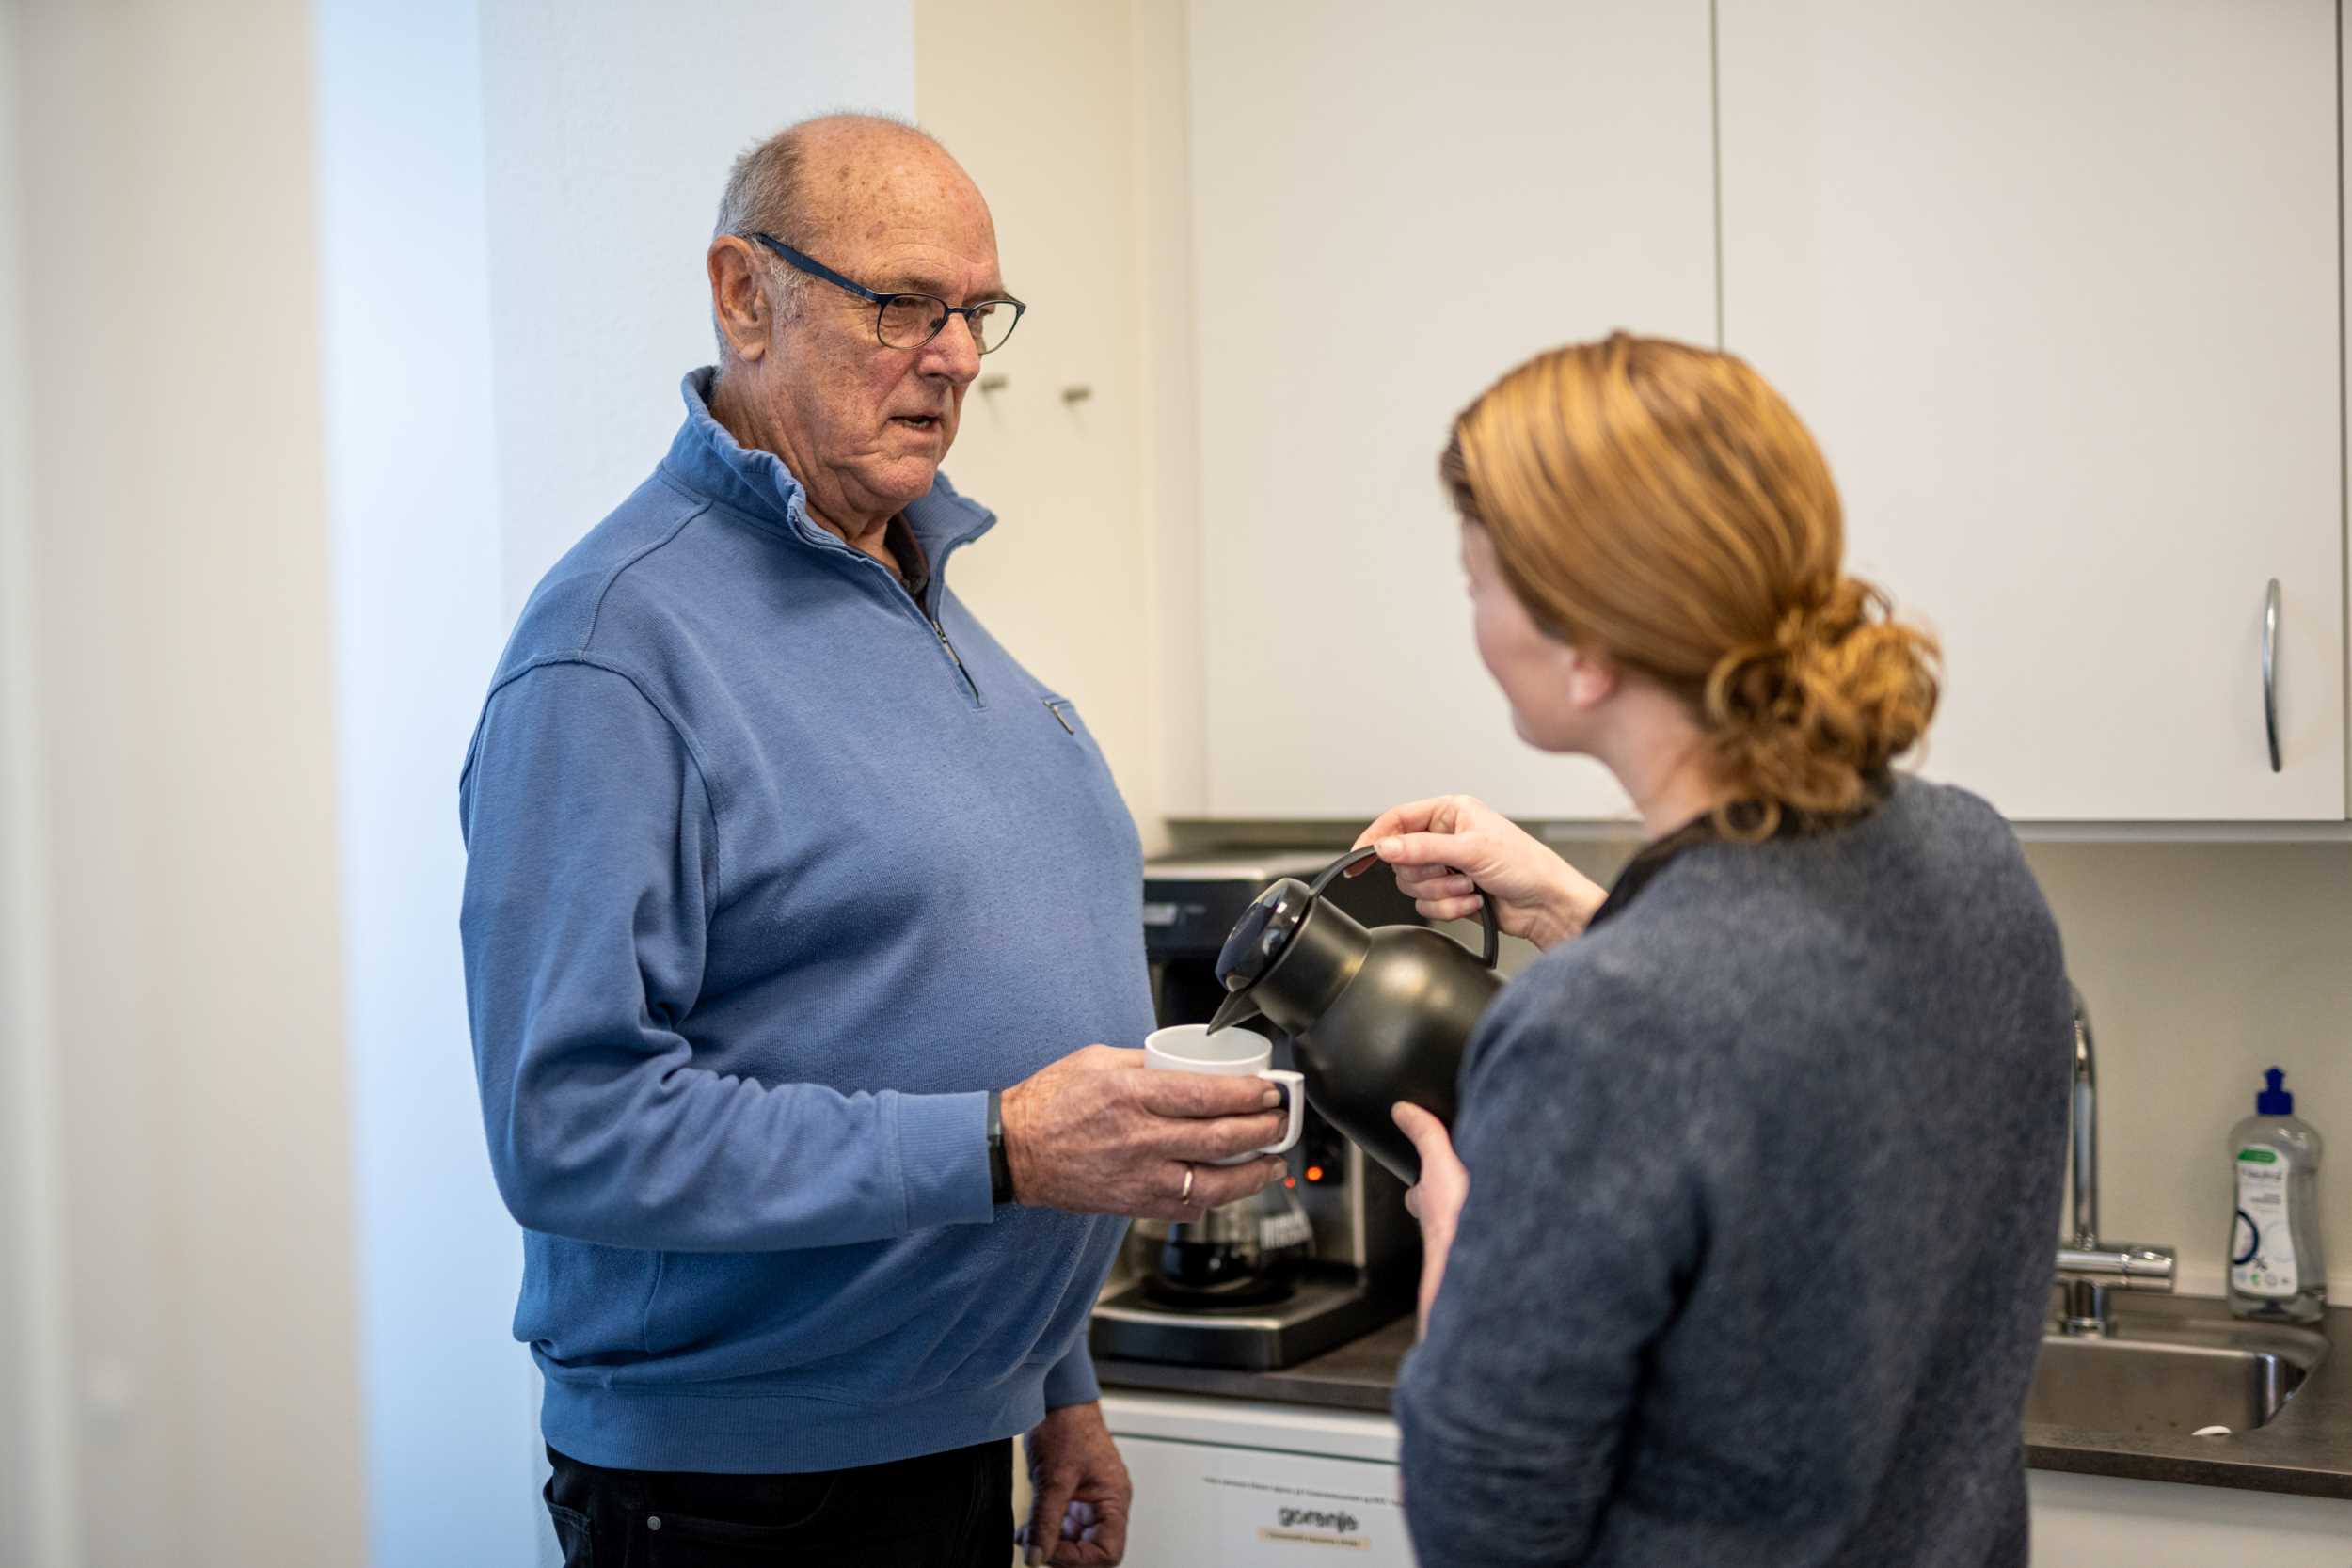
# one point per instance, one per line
(1241, 1254)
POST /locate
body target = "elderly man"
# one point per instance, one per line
(790, 896)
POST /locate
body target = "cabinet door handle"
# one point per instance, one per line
(2271, 671)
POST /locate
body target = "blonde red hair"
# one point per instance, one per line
(1659, 503)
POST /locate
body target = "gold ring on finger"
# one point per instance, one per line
(1186, 1197)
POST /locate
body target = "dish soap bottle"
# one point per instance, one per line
(2277, 1273)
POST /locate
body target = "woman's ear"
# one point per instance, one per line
(1589, 678)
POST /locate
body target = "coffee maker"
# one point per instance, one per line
(1363, 1253)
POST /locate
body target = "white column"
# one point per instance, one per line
(38, 1483)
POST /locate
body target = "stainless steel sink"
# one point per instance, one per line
(2125, 1355)
(2171, 1378)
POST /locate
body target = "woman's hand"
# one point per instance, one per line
(1437, 1200)
(1444, 850)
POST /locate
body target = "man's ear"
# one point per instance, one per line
(739, 298)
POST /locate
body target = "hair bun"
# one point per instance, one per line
(1806, 720)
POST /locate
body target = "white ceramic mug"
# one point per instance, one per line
(1231, 1052)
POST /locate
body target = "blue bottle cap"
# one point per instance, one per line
(2274, 1101)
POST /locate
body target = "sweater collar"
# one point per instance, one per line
(1653, 857)
(705, 458)
(1649, 861)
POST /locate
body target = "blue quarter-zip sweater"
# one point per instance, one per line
(773, 871)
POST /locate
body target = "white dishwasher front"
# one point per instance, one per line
(1233, 1484)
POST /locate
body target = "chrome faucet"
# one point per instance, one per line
(2089, 1271)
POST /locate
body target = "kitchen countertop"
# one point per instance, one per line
(1356, 1376)
(2306, 1449)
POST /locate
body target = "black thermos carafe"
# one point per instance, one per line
(1375, 1016)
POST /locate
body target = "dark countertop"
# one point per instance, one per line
(2307, 1449)
(1356, 1376)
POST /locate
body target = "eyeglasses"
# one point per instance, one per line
(910, 321)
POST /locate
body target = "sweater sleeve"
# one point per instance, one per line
(591, 875)
(1071, 1380)
(1571, 1250)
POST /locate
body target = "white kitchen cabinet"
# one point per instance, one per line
(1395, 202)
(1247, 1485)
(1244, 1484)
(2107, 1522)
(2057, 287)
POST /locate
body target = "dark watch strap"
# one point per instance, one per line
(999, 1168)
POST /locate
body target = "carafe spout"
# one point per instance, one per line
(1240, 1007)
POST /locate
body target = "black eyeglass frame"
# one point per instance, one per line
(881, 302)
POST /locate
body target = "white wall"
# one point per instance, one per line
(38, 1524)
(181, 770)
(2203, 964)
(515, 200)
(419, 613)
(610, 125)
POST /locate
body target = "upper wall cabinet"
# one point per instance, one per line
(1395, 202)
(2057, 287)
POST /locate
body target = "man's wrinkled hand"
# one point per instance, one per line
(1098, 1132)
(1080, 1492)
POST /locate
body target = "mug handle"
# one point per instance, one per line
(1294, 1086)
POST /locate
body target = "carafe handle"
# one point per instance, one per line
(1493, 952)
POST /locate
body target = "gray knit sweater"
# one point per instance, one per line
(1765, 1173)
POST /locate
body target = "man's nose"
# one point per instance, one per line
(954, 353)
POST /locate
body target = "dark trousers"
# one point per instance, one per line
(950, 1509)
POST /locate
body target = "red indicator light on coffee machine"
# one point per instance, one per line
(1315, 1173)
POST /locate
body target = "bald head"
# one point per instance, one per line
(841, 178)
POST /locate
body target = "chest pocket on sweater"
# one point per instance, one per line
(1101, 790)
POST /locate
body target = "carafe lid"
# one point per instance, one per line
(1263, 932)
(1260, 936)
(2274, 1101)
